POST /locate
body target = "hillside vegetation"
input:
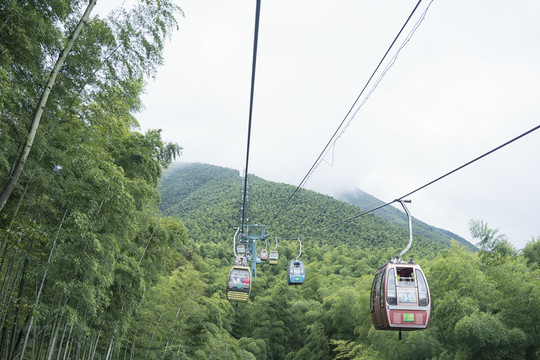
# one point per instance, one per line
(198, 191)
(485, 304)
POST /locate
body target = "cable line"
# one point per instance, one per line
(253, 66)
(317, 161)
(472, 161)
(420, 188)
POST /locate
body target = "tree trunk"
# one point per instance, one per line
(40, 347)
(172, 327)
(93, 348)
(132, 350)
(41, 284)
(61, 341)
(15, 341)
(12, 182)
(109, 350)
(52, 344)
(155, 330)
(68, 343)
(148, 242)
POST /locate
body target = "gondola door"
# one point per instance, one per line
(377, 300)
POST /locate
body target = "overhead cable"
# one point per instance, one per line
(253, 66)
(419, 188)
(379, 79)
(332, 139)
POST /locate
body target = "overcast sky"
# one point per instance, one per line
(467, 81)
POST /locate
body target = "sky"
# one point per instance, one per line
(467, 81)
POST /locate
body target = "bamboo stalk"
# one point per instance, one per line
(12, 182)
(61, 341)
(42, 282)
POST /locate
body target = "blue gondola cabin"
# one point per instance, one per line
(296, 273)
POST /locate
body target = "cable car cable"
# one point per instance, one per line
(472, 161)
(253, 66)
(318, 160)
(420, 188)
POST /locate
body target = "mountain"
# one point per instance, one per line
(207, 199)
(366, 201)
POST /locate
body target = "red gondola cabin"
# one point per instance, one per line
(400, 298)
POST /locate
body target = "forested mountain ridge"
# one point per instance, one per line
(366, 201)
(190, 190)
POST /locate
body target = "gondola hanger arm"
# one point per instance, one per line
(402, 202)
(234, 243)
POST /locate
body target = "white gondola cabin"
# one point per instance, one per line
(273, 257)
(240, 249)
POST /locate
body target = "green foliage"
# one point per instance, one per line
(531, 252)
(81, 241)
(480, 300)
(493, 245)
(484, 336)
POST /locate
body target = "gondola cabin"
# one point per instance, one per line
(296, 273)
(400, 298)
(241, 249)
(239, 284)
(264, 254)
(258, 259)
(273, 257)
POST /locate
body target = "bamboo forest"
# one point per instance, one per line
(111, 248)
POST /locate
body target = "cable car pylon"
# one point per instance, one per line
(252, 233)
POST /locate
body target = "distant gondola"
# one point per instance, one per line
(239, 284)
(264, 254)
(273, 257)
(241, 249)
(296, 273)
